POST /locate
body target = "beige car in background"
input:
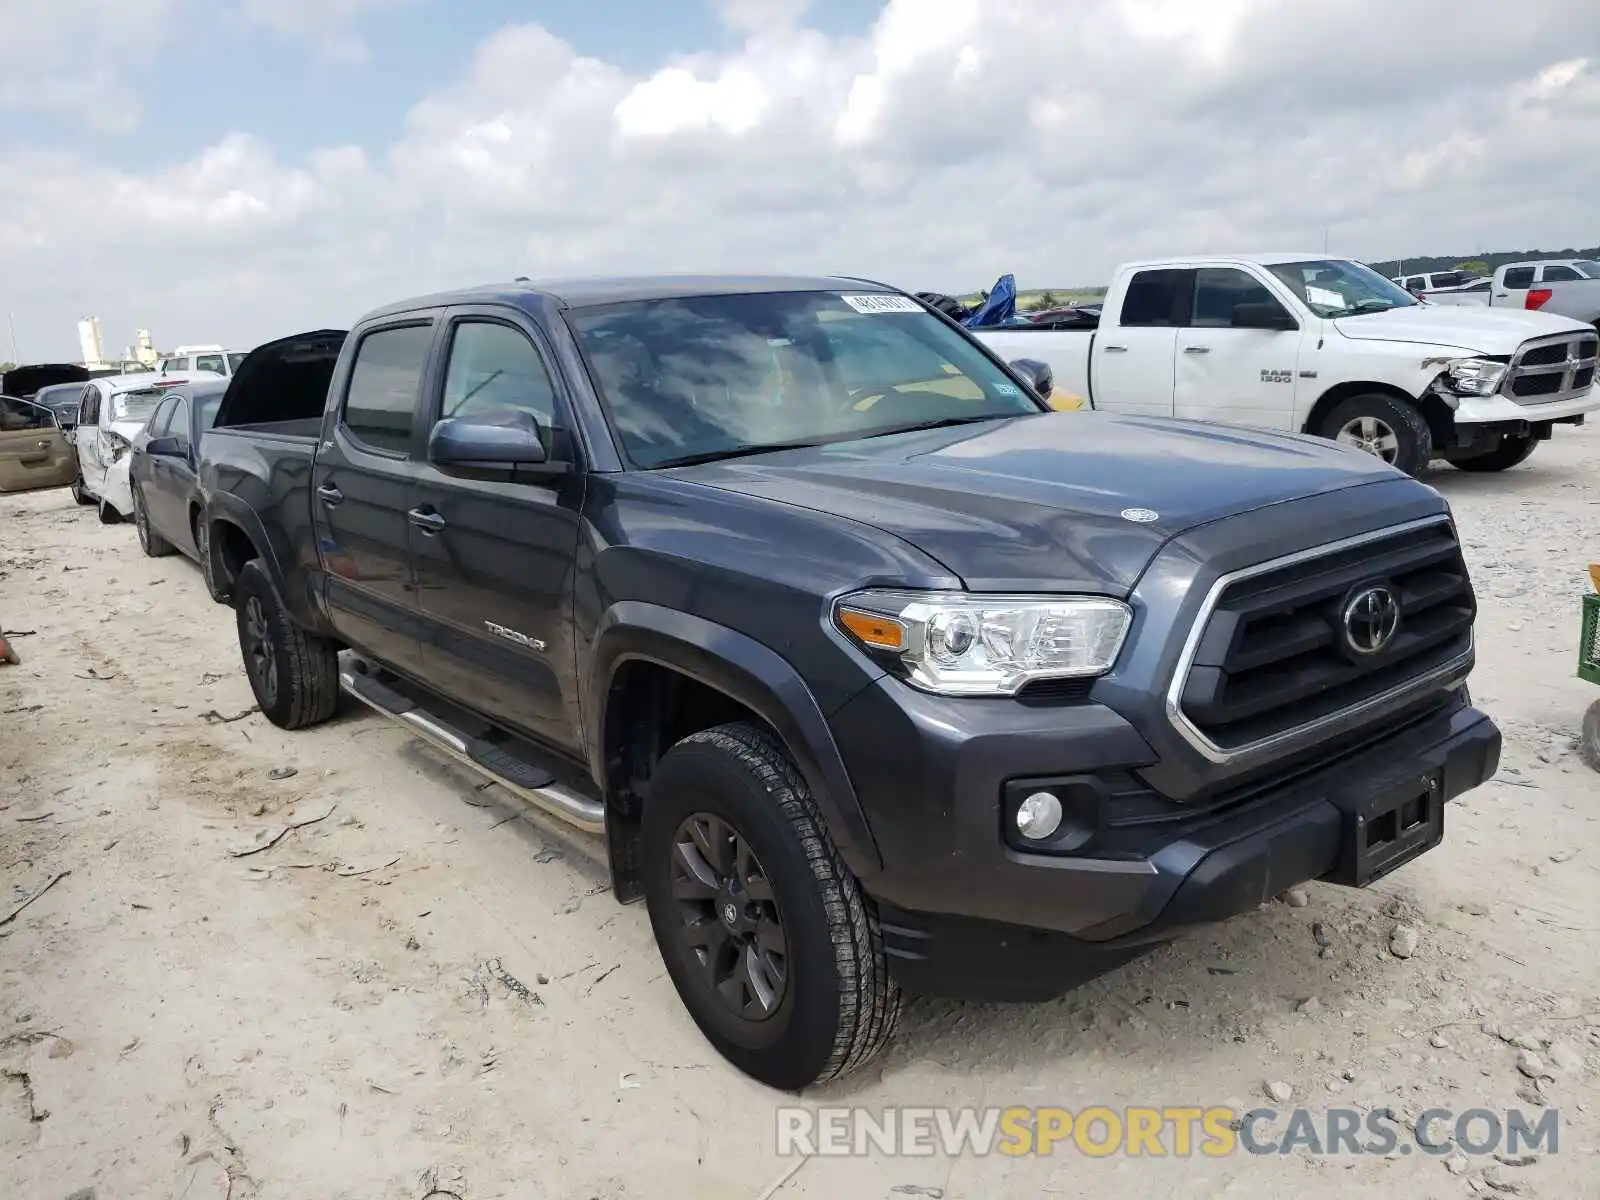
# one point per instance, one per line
(33, 451)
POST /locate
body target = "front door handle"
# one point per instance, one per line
(428, 522)
(1197, 349)
(1116, 349)
(1502, 295)
(329, 494)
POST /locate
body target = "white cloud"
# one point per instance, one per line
(327, 25)
(951, 141)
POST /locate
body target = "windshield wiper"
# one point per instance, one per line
(742, 450)
(1371, 305)
(935, 423)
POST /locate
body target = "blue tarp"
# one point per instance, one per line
(999, 308)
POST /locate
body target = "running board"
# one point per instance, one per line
(524, 780)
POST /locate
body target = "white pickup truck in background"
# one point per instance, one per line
(1324, 346)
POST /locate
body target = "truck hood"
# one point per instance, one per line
(1037, 503)
(1481, 330)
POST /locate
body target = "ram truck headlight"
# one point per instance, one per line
(958, 644)
(1475, 376)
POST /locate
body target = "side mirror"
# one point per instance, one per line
(164, 447)
(511, 444)
(1037, 375)
(1261, 316)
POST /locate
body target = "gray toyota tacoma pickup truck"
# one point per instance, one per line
(875, 674)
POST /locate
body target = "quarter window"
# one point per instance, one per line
(380, 405)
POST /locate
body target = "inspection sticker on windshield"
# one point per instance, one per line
(1007, 389)
(882, 304)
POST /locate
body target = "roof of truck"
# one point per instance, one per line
(1260, 260)
(589, 292)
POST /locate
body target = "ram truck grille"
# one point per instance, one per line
(1549, 369)
(1289, 646)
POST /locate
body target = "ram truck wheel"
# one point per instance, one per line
(1511, 452)
(1385, 426)
(766, 935)
(294, 674)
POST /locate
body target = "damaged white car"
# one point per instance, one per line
(114, 410)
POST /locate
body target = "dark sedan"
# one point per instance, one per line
(166, 492)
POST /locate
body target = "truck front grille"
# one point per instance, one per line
(1289, 646)
(1555, 368)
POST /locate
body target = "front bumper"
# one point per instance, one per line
(984, 920)
(1501, 410)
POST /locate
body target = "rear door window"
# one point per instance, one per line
(1519, 278)
(385, 389)
(1157, 298)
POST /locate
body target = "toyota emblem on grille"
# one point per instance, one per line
(1371, 618)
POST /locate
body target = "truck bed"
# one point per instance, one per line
(294, 429)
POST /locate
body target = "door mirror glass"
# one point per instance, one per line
(1038, 376)
(164, 447)
(505, 442)
(1261, 316)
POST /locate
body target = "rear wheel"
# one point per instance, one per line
(1386, 426)
(151, 542)
(766, 935)
(78, 494)
(294, 674)
(1511, 452)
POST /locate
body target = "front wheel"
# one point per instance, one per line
(294, 674)
(151, 542)
(1511, 452)
(766, 935)
(109, 515)
(1386, 426)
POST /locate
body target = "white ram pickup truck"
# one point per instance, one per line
(1323, 346)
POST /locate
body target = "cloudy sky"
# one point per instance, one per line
(231, 170)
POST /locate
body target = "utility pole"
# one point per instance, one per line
(11, 320)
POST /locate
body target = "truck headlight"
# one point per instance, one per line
(957, 644)
(1475, 376)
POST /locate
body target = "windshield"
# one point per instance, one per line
(718, 376)
(1337, 287)
(135, 406)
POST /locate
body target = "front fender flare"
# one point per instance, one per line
(752, 674)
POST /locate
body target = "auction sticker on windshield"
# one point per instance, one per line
(882, 304)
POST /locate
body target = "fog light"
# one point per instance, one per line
(1038, 816)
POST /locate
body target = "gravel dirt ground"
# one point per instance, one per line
(414, 991)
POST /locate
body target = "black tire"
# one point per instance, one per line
(294, 674)
(151, 542)
(1589, 736)
(79, 495)
(1511, 452)
(838, 1006)
(1393, 420)
(202, 551)
(109, 515)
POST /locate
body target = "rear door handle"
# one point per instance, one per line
(428, 522)
(1197, 349)
(329, 494)
(1116, 349)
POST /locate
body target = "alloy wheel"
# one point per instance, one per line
(730, 922)
(1372, 434)
(259, 652)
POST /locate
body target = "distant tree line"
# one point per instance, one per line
(1481, 264)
